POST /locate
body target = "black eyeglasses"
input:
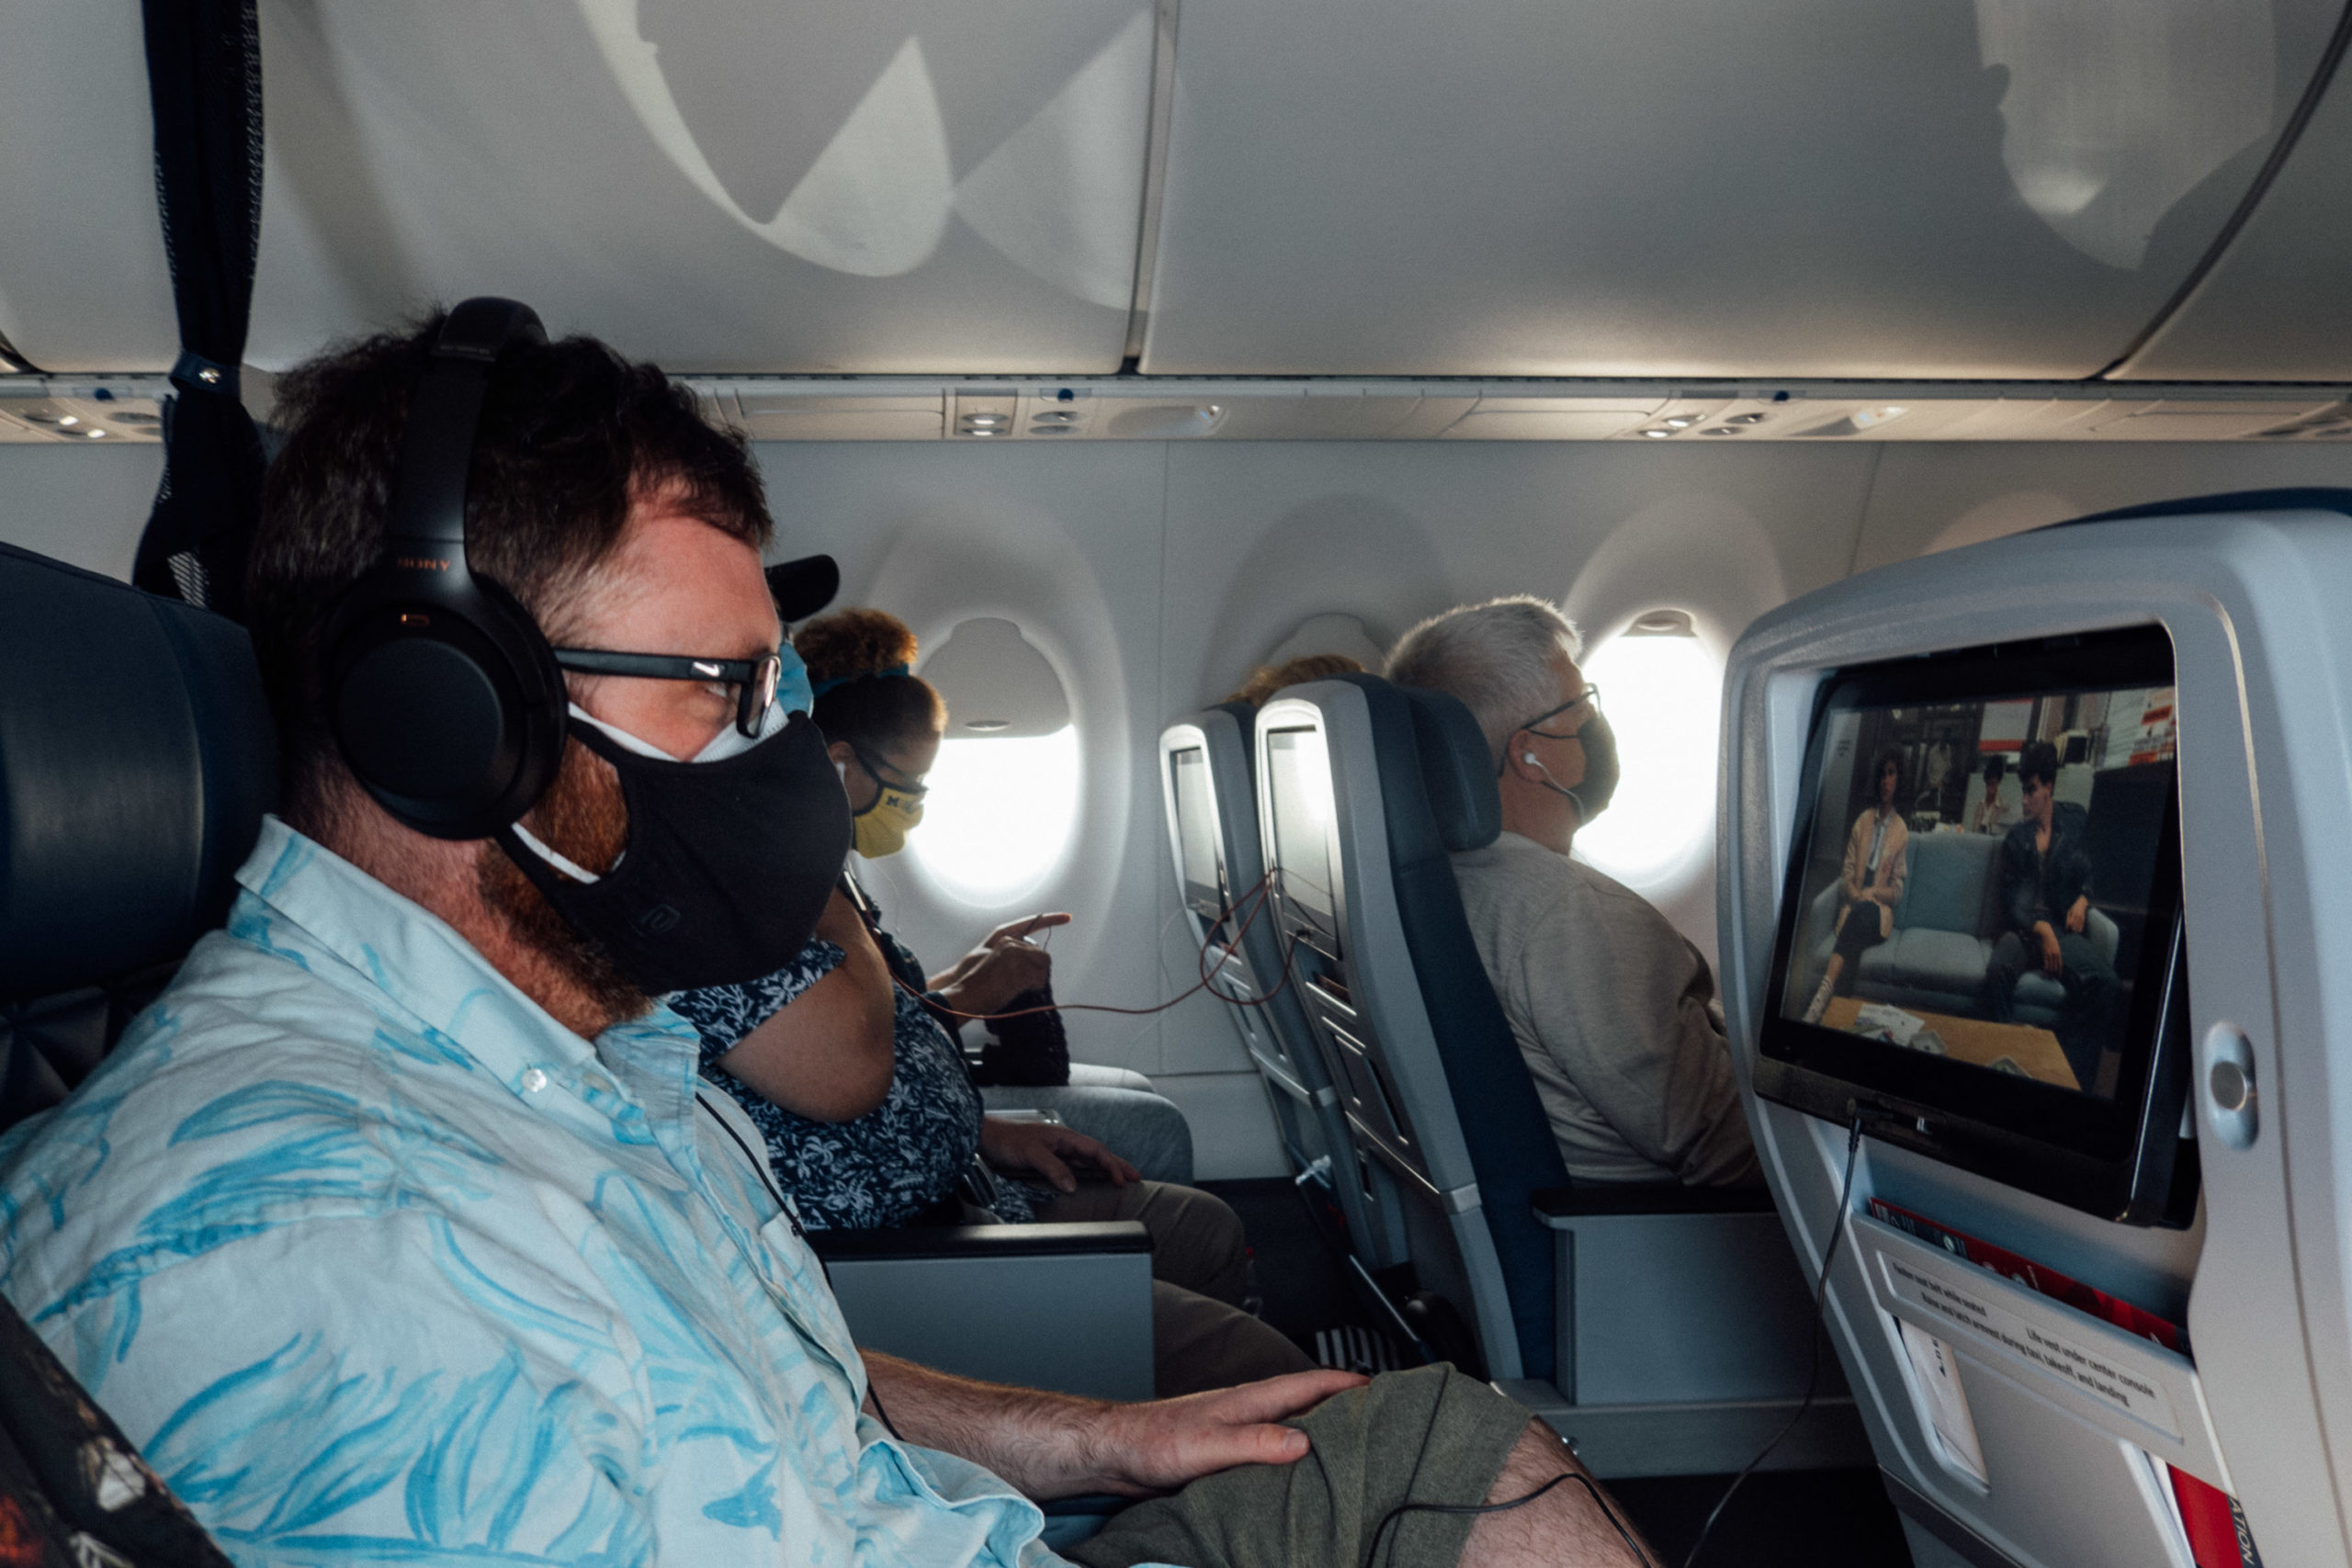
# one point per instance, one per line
(754, 680)
(873, 766)
(1589, 694)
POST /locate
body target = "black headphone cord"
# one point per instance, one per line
(1371, 1557)
(1813, 1377)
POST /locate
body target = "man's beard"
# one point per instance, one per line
(584, 818)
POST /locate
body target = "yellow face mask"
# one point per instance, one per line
(882, 828)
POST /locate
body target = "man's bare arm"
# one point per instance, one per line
(1054, 1445)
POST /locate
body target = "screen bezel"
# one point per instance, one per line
(2114, 1158)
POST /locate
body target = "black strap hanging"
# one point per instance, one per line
(204, 80)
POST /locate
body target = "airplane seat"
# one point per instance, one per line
(1211, 800)
(136, 759)
(1668, 1330)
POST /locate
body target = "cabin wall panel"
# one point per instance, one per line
(1933, 496)
(84, 505)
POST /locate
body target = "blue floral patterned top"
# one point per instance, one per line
(892, 1162)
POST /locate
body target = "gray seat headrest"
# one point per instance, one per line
(1456, 769)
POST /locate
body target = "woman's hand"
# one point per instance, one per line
(1046, 1149)
(993, 976)
(1012, 932)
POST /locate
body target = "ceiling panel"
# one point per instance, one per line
(718, 184)
(2278, 305)
(83, 283)
(1703, 187)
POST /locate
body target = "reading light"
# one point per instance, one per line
(94, 434)
(1749, 418)
(1657, 434)
(984, 421)
(1682, 420)
(69, 419)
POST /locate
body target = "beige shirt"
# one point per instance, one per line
(1613, 1009)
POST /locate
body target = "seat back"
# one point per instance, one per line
(1207, 785)
(136, 760)
(1364, 790)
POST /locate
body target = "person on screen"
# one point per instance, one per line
(2046, 909)
(1992, 812)
(1878, 861)
(1612, 1008)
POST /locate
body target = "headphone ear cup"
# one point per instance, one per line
(449, 708)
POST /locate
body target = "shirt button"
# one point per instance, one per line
(534, 1080)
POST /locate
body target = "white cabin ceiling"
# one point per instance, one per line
(1685, 189)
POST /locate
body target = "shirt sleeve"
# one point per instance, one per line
(722, 1015)
(1622, 1001)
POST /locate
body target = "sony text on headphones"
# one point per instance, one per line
(440, 688)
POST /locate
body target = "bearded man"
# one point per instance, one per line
(401, 1227)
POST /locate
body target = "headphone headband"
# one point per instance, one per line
(428, 510)
(442, 693)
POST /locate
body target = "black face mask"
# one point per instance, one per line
(1599, 742)
(728, 866)
(1600, 782)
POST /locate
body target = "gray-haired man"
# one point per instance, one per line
(1612, 1007)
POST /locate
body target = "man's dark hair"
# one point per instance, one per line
(1890, 757)
(2038, 761)
(571, 434)
(1994, 766)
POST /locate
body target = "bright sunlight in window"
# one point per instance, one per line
(998, 814)
(1664, 696)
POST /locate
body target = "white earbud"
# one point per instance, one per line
(1528, 757)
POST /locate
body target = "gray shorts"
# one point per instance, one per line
(1428, 1436)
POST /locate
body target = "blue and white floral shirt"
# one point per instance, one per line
(378, 1262)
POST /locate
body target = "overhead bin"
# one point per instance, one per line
(2277, 305)
(907, 186)
(1711, 188)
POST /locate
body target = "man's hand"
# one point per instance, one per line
(1046, 1149)
(1052, 1445)
(1161, 1446)
(2052, 963)
(2077, 914)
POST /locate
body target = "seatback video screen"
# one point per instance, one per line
(1979, 878)
(1299, 807)
(1197, 830)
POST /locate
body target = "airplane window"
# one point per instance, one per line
(998, 814)
(1664, 698)
(1003, 799)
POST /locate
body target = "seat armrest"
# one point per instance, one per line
(982, 1241)
(1559, 1206)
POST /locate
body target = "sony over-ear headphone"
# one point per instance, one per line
(441, 690)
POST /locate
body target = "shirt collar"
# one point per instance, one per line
(409, 953)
